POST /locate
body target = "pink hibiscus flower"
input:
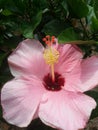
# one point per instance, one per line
(49, 84)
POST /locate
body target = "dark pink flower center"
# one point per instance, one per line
(54, 85)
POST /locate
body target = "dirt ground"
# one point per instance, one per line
(92, 125)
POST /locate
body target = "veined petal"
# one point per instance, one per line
(27, 59)
(66, 110)
(89, 73)
(84, 76)
(20, 100)
(72, 79)
(69, 56)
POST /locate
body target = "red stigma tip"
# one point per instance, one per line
(53, 37)
(48, 36)
(44, 39)
(49, 40)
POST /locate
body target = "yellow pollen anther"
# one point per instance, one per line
(51, 56)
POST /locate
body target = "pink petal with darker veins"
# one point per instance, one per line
(27, 59)
(84, 76)
(20, 100)
(70, 55)
(89, 73)
(66, 110)
(72, 79)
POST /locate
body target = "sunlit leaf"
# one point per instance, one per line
(6, 12)
(67, 35)
(94, 24)
(28, 32)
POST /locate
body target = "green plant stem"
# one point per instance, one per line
(81, 42)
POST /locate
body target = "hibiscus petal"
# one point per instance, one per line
(66, 110)
(20, 99)
(72, 79)
(89, 73)
(27, 59)
(84, 76)
(70, 55)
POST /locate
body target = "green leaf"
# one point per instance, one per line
(6, 12)
(91, 14)
(28, 32)
(96, 7)
(64, 4)
(67, 35)
(36, 19)
(28, 28)
(78, 8)
(54, 27)
(20, 5)
(9, 5)
(39, 4)
(94, 24)
(92, 20)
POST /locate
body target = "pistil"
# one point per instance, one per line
(52, 73)
(51, 55)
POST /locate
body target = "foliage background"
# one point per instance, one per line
(71, 21)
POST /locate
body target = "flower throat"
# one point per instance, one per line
(53, 81)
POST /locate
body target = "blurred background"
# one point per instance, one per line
(71, 21)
